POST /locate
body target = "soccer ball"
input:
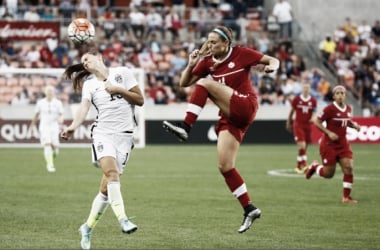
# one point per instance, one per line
(81, 31)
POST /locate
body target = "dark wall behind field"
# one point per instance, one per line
(261, 131)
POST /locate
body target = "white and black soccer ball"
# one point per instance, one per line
(81, 31)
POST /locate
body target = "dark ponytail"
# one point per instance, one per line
(77, 73)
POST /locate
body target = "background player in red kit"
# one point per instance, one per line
(334, 145)
(231, 90)
(304, 107)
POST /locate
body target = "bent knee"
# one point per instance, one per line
(111, 174)
(328, 176)
(205, 82)
(348, 169)
(224, 167)
(103, 190)
(328, 172)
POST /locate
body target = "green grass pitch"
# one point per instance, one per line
(180, 201)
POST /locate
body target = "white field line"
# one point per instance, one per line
(289, 173)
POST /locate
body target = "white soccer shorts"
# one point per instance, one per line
(118, 146)
(49, 135)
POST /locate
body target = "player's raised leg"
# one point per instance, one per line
(197, 101)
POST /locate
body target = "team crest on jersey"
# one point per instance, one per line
(118, 78)
(231, 65)
(99, 147)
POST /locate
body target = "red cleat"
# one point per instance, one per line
(349, 200)
(311, 169)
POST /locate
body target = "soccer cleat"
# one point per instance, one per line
(300, 170)
(127, 226)
(311, 169)
(85, 231)
(249, 219)
(349, 200)
(50, 169)
(176, 129)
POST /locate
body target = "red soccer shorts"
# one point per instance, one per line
(331, 153)
(302, 132)
(243, 110)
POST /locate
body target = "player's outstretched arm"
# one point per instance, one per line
(330, 134)
(80, 116)
(271, 63)
(354, 125)
(187, 78)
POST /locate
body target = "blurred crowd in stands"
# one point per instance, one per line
(158, 38)
(352, 53)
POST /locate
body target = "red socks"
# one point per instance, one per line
(237, 186)
(301, 159)
(197, 101)
(348, 180)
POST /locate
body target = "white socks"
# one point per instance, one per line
(99, 206)
(116, 200)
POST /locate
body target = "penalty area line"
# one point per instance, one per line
(289, 173)
(285, 173)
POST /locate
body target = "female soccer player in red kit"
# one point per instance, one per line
(230, 88)
(304, 107)
(334, 145)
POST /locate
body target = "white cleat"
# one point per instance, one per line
(85, 231)
(50, 169)
(127, 226)
(249, 219)
(176, 129)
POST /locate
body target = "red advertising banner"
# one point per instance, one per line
(20, 131)
(369, 133)
(22, 30)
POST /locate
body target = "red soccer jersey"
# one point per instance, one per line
(304, 108)
(336, 119)
(234, 70)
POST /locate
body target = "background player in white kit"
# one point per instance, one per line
(49, 111)
(114, 92)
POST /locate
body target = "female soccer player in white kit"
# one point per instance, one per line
(114, 92)
(49, 111)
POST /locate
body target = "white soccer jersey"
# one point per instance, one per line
(49, 112)
(115, 114)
